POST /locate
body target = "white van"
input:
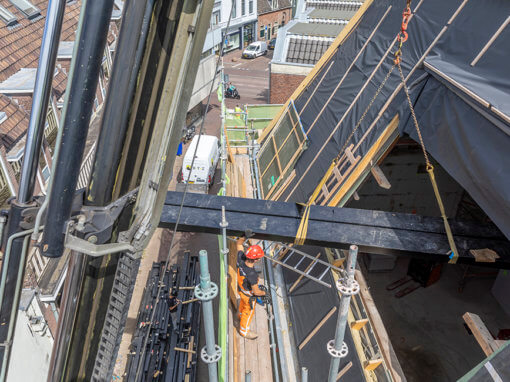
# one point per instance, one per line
(205, 162)
(255, 49)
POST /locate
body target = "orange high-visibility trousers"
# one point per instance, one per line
(245, 314)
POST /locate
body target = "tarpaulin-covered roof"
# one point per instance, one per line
(456, 66)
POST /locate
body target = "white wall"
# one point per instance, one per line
(226, 6)
(31, 350)
(202, 86)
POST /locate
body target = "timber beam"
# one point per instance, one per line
(374, 232)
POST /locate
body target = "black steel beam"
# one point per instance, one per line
(375, 232)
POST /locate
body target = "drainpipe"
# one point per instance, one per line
(348, 287)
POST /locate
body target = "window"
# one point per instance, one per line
(216, 18)
(28, 9)
(243, 7)
(250, 6)
(273, 31)
(234, 9)
(262, 32)
(280, 150)
(7, 17)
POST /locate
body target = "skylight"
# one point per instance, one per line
(3, 116)
(28, 9)
(7, 17)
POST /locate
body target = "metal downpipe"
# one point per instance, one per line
(40, 100)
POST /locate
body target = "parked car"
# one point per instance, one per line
(205, 162)
(272, 44)
(255, 49)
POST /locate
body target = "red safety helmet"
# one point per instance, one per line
(254, 252)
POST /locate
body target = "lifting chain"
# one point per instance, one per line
(402, 35)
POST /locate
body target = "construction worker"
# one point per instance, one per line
(248, 285)
(238, 111)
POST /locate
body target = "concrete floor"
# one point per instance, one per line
(426, 327)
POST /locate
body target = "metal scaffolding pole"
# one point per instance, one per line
(224, 253)
(40, 101)
(205, 292)
(347, 287)
(304, 374)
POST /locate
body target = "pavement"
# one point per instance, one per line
(251, 77)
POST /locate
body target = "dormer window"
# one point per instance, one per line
(28, 9)
(7, 17)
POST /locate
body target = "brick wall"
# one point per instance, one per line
(281, 17)
(282, 86)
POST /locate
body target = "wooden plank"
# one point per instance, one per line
(372, 364)
(264, 352)
(282, 188)
(251, 356)
(380, 178)
(348, 170)
(339, 263)
(301, 276)
(232, 351)
(366, 161)
(185, 350)
(241, 364)
(358, 324)
(316, 329)
(344, 370)
(481, 333)
(379, 330)
(350, 155)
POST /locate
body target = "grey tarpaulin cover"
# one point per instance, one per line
(309, 303)
(463, 109)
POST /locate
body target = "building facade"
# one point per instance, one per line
(302, 42)
(272, 15)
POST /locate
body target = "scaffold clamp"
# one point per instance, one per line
(344, 350)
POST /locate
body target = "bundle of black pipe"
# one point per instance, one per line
(172, 337)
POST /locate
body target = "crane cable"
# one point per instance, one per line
(401, 38)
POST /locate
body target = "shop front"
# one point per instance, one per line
(233, 40)
(248, 33)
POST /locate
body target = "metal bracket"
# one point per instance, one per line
(347, 287)
(96, 223)
(208, 295)
(344, 350)
(215, 357)
(90, 248)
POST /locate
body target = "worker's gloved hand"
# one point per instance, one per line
(262, 288)
(263, 300)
